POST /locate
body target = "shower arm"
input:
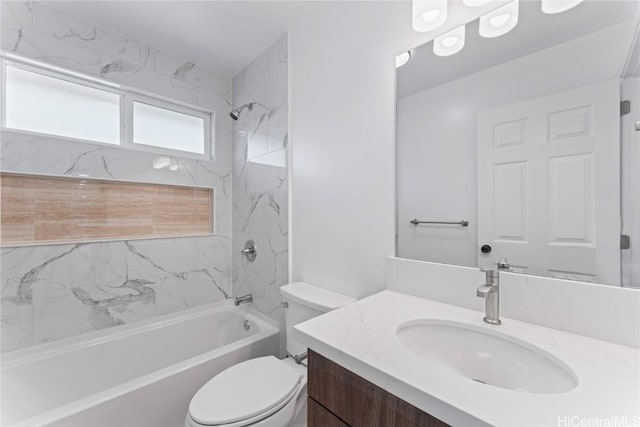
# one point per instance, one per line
(235, 113)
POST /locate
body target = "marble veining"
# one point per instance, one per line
(117, 281)
(24, 291)
(56, 291)
(100, 317)
(260, 191)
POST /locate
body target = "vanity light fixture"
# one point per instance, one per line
(476, 3)
(449, 43)
(500, 21)
(557, 6)
(403, 58)
(427, 15)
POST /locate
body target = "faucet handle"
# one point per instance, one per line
(503, 264)
(484, 290)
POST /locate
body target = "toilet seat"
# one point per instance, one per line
(258, 419)
(267, 385)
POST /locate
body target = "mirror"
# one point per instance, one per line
(517, 144)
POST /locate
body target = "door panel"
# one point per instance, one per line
(571, 202)
(510, 201)
(548, 184)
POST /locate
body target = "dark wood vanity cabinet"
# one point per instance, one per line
(340, 398)
(317, 415)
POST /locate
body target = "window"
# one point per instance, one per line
(266, 150)
(39, 103)
(166, 128)
(67, 104)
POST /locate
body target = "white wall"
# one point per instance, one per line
(342, 127)
(343, 148)
(437, 137)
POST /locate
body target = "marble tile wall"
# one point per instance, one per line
(56, 291)
(260, 191)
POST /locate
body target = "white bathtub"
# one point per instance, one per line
(133, 375)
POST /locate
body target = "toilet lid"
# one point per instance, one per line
(244, 391)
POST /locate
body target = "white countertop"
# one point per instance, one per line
(362, 338)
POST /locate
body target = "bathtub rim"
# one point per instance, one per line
(36, 352)
(267, 329)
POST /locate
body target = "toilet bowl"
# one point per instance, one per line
(265, 391)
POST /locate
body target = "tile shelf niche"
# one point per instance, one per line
(40, 210)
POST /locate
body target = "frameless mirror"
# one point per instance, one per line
(522, 145)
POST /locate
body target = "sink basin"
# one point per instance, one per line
(487, 356)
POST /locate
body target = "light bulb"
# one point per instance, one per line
(427, 15)
(403, 58)
(500, 21)
(431, 15)
(449, 43)
(557, 6)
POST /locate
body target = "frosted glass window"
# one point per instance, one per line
(266, 150)
(45, 104)
(168, 129)
(274, 158)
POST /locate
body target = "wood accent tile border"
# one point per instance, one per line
(43, 209)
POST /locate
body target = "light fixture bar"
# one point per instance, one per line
(476, 3)
(557, 6)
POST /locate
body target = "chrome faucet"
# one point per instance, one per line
(490, 291)
(243, 299)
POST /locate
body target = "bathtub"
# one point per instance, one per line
(133, 375)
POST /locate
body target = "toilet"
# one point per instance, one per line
(265, 391)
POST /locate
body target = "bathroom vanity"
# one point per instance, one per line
(397, 359)
(338, 397)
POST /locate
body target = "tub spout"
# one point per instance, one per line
(243, 299)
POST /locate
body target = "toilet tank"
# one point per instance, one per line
(305, 302)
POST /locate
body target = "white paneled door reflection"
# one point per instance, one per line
(549, 184)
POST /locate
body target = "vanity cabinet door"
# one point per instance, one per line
(318, 416)
(358, 402)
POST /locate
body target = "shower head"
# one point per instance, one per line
(235, 114)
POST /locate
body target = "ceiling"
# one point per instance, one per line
(535, 31)
(223, 36)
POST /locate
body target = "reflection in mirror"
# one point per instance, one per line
(521, 135)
